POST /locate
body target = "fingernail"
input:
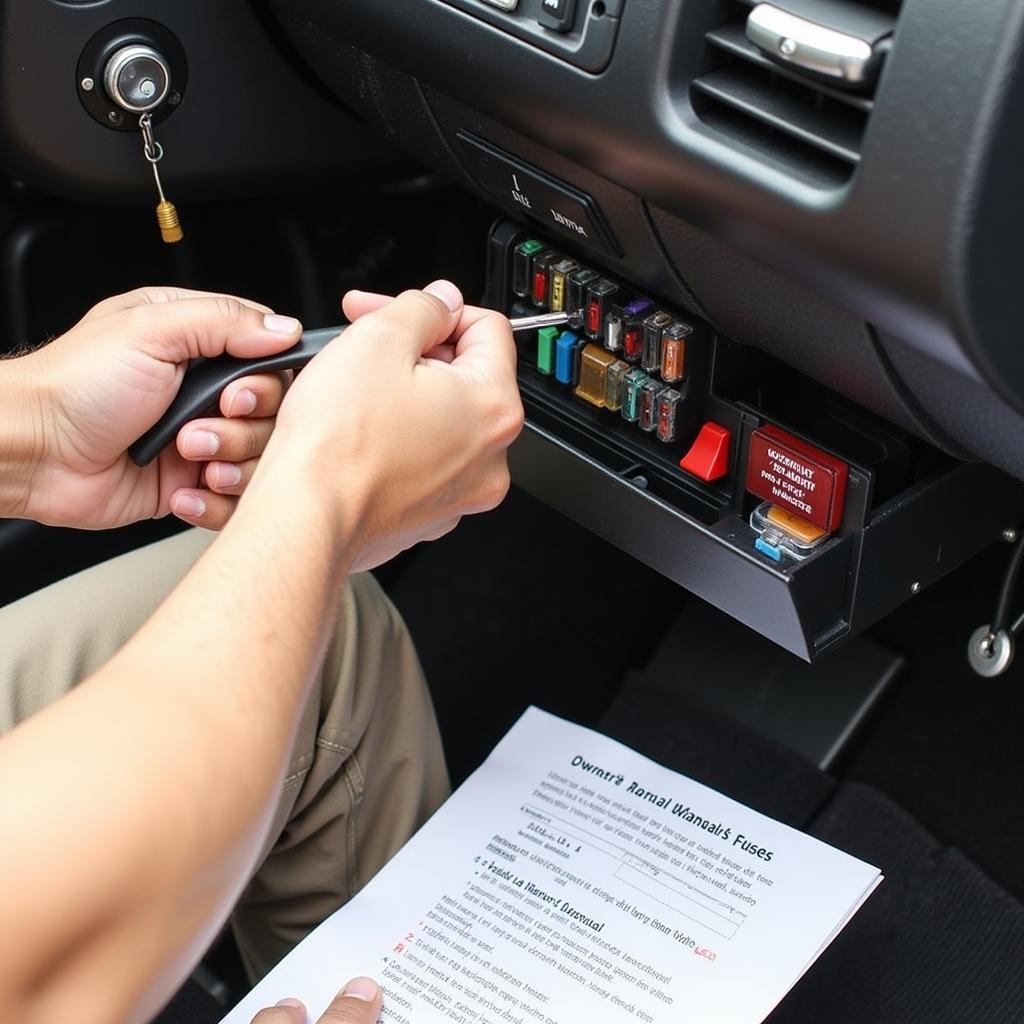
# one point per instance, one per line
(280, 324)
(201, 443)
(290, 1002)
(447, 293)
(228, 474)
(189, 505)
(362, 988)
(243, 403)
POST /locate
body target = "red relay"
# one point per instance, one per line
(797, 476)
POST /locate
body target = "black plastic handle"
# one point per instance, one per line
(206, 379)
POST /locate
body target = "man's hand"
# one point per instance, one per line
(401, 426)
(92, 392)
(359, 1002)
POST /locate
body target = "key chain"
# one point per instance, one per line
(166, 214)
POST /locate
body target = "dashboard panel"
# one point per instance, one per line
(844, 250)
(912, 247)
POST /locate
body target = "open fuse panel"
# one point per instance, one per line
(750, 485)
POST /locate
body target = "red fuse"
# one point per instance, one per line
(540, 287)
(541, 276)
(668, 401)
(632, 342)
(599, 295)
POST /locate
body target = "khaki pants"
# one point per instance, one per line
(367, 767)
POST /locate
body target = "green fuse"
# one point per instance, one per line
(522, 260)
(633, 386)
(546, 349)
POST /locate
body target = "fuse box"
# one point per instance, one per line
(771, 497)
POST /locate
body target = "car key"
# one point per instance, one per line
(207, 378)
(166, 212)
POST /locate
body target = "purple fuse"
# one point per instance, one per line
(638, 307)
(633, 314)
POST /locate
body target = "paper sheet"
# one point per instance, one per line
(572, 879)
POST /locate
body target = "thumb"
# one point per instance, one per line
(187, 328)
(417, 321)
(287, 1011)
(359, 1002)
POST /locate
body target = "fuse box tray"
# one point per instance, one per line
(909, 515)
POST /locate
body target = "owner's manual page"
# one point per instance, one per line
(572, 879)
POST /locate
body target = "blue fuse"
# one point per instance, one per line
(565, 356)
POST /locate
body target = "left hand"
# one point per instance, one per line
(100, 386)
(359, 1002)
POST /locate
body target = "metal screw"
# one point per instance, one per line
(87, 84)
(174, 98)
(114, 116)
(1010, 535)
(915, 587)
(787, 47)
(988, 653)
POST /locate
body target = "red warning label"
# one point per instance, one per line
(797, 476)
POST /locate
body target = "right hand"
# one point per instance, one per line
(359, 1002)
(403, 425)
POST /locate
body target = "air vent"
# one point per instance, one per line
(790, 116)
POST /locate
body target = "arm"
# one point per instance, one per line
(140, 804)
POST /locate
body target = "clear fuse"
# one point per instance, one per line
(654, 327)
(613, 330)
(633, 383)
(576, 300)
(668, 401)
(650, 391)
(780, 532)
(673, 351)
(614, 384)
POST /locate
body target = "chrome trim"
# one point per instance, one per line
(119, 61)
(804, 44)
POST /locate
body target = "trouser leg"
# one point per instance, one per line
(367, 766)
(56, 637)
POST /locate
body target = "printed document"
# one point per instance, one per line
(572, 879)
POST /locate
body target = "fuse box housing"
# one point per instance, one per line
(628, 462)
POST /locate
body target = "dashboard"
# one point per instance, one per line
(847, 234)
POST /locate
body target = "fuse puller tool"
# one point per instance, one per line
(206, 379)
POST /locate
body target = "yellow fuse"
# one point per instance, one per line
(803, 531)
(560, 283)
(594, 363)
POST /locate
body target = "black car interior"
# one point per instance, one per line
(767, 509)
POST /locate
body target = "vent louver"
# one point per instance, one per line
(810, 127)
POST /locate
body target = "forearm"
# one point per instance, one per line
(142, 798)
(21, 431)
